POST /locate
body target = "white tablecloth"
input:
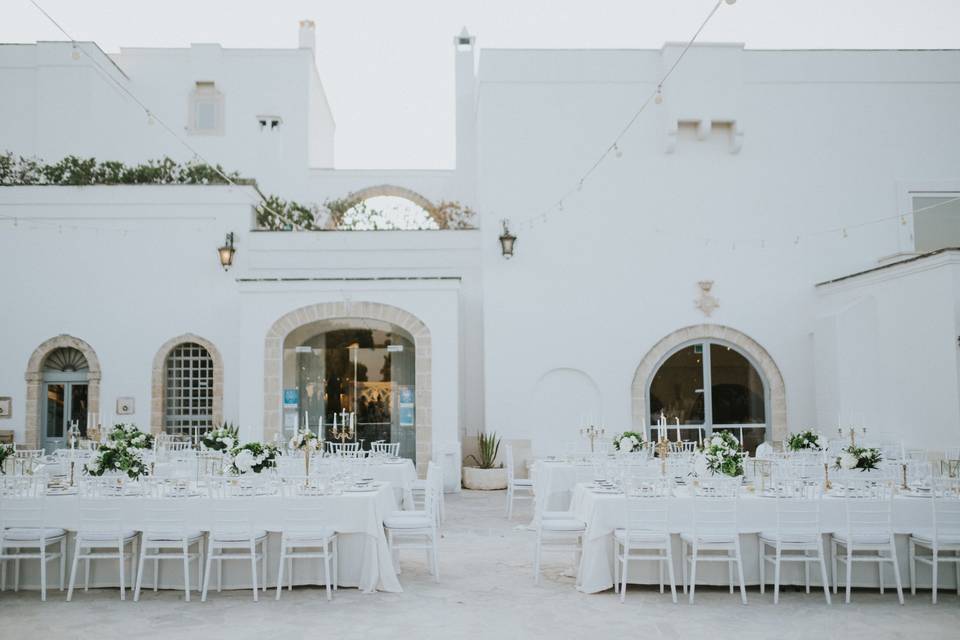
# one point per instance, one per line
(363, 555)
(604, 512)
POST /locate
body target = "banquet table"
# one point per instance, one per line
(364, 559)
(604, 512)
(553, 483)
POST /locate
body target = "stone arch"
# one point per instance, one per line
(157, 381)
(366, 193)
(273, 362)
(34, 377)
(755, 352)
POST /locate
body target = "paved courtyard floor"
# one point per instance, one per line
(486, 591)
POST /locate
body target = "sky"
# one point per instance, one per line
(387, 65)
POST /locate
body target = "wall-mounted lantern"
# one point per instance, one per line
(507, 240)
(226, 252)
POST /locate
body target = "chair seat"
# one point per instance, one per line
(553, 515)
(407, 514)
(640, 537)
(31, 534)
(408, 522)
(563, 524)
(105, 536)
(316, 535)
(707, 538)
(864, 538)
(522, 482)
(419, 485)
(944, 539)
(171, 536)
(237, 537)
(789, 537)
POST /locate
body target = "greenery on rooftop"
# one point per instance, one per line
(273, 213)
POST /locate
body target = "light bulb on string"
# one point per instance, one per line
(796, 240)
(580, 185)
(560, 206)
(845, 232)
(903, 220)
(149, 118)
(617, 151)
(659, 97)
(76, 52)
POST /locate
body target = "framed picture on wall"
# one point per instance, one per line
(6, 407)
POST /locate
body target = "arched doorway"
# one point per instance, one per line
(711, 377)
(63, 386)
(337, 368)
(309, 347)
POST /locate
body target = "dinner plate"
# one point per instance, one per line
(66, 491)
(366, 489)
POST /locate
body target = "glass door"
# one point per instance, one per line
(66, 402)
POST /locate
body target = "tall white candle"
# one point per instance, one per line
(334, 422)
(306, 418)
(741, 437)
(678, 429)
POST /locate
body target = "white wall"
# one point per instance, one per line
(128, 268)
(826, 137)
(887, 352)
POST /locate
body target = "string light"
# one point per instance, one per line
(659, 97)
(616, 151)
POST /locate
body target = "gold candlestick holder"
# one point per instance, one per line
(903, 468)
(663, 450)
(827, 485)
(592, 433)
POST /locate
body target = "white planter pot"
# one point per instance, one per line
(484, 479)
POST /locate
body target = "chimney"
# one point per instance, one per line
(308, 38)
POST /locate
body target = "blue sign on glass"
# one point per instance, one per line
(291, 397)
(406, 416)
(406, 394)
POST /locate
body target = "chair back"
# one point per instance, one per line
(340, 448)
(21, 505)
(798, 509)
(946, 507)
(304, 516)
(101, 514)
(12, 486)
(715, 506)
(508, 461)
(387, 448)
(164, 517)
(868, 507)
(648, 511)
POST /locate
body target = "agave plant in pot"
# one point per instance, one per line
(486, 475)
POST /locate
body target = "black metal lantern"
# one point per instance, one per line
(507, 240)
(226, 252)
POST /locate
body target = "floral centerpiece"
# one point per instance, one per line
(130, 436)
(863, 458)
(252, 457)
(722, 455)
(628, 441)
(6, 451)
(120, 454)
(223, 438)
(808, 440)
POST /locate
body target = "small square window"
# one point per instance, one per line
(206, 110)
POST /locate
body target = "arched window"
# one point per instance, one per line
(188, 390)
(709, 386)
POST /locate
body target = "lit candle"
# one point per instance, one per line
(678, 429)
(700, 436)
(306, 418)
(334, 423)
(741, 437)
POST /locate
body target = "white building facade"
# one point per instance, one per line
(767, 249)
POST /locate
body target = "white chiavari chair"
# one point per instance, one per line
(646, 536)
(868, 529)
(27, 460)
(560, 531)
(386, 448)
(307, 532)
(232, 535)
(165, 534)
(343, 448)
(103, 533)
(943, 537)
(416, 530)
(24, 534)
(715, 536)
(798, 536)
(515, 484)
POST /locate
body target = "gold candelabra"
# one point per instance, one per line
(663, 450)
(827, 485)
(347, 429)
(592, 432)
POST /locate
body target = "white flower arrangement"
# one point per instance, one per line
(628, 441)
(252, 457)
(304, 440)
(722, 455)
(223, 438)
(129, 436)
(808, 440)
(862, 458)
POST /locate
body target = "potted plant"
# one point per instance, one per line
(485, 476)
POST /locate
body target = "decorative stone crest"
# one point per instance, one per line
(706, 303)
